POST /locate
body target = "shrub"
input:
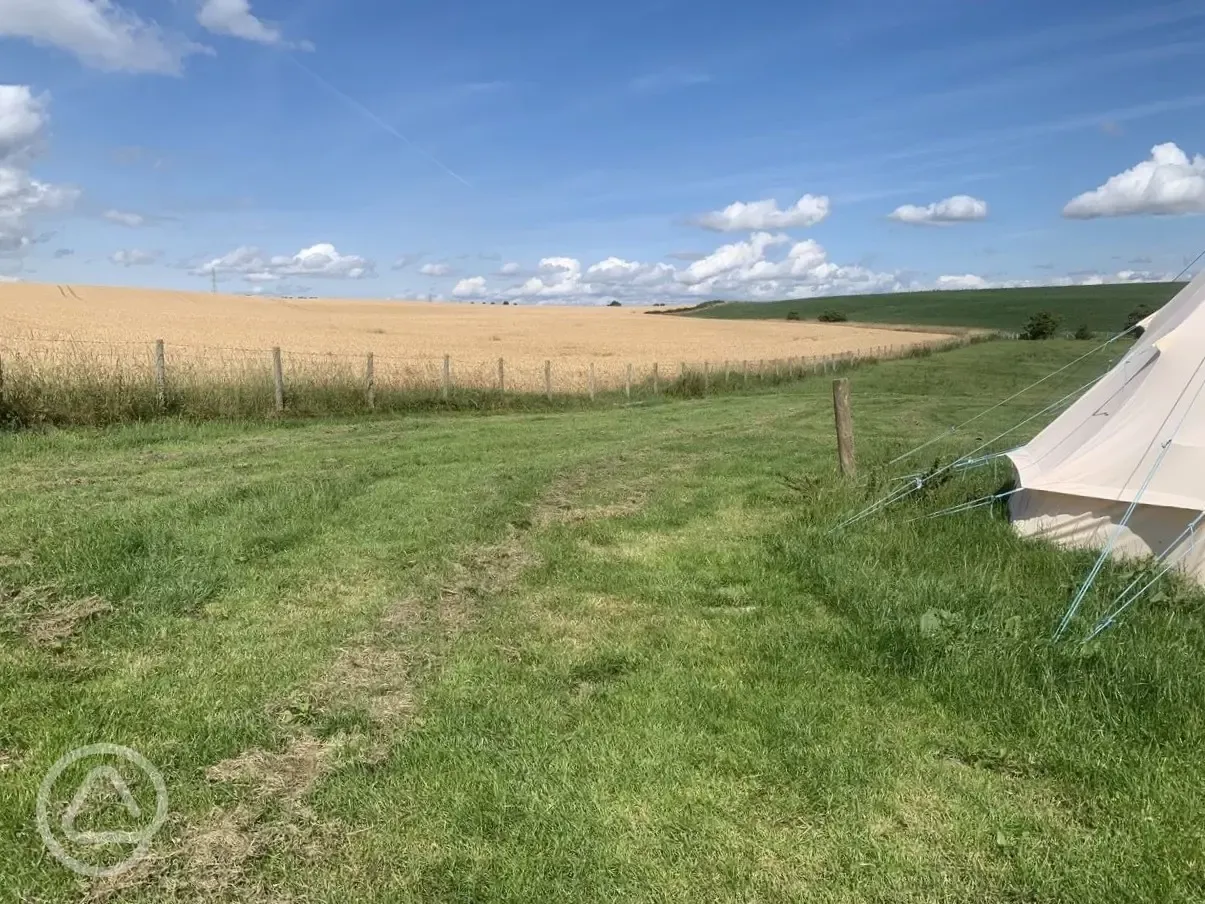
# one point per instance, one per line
(792, 315)
(614, 304)
(1082, 332)
(1135, 317)
(832, 317)
(1042, 325)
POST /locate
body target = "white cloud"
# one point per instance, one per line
(245, 259)
(125, 218)
(1082, 278)
(730, 257)
(509, 269)
(4, 278)
(957, 209)
(404, 260)
(747, 217)
(321, 261)
(561, 278)
(967, 281)
(234, 18)
(767, 265)
(134, 257)
(24, 199)
(615, 271)
(100, 33)
(435, 269)
(1168, 183)
(746, 269)
(474, 287)
(324, 261)
(22, 122)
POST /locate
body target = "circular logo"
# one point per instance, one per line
(104, 778)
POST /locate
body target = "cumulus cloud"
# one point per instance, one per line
(5, 278)
(1166, 183)
(24, 199)
(321, 261)
(22, 122)
(615, 271)
(560, 277)
(966, 281)
(1079, 278)
(473, 287)
(957, 209)
(766, 265)
(134, 257)
(435, 270)
(100, 33)
(235, 19)
(404, 260)
(125, 218)
(731, 257)
(325, 261)
(747, 217)
(510, 268)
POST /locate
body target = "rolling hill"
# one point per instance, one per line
(1100, 308)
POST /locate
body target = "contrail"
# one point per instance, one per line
(372, 117)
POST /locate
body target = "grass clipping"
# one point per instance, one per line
(45, 616)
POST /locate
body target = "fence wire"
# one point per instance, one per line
(57, 380)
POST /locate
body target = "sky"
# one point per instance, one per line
(651, 151)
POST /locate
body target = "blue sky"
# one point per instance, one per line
(580, 152)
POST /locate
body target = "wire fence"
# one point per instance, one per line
(57, 381)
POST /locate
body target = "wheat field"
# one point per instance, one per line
(203, 329)
(87, 354)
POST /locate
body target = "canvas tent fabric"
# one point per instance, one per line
(1137, 435)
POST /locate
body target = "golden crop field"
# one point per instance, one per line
(410, 338)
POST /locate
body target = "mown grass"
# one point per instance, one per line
(1102, 309)
(641, 665)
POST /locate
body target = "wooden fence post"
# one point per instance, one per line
(727, 373)
(548, 379)
(591, 381)
(627, 387)
(370, 383)
(447, 377)
(706, 376)
(160, 375)
(745, 372)
(501, 375)
(655, 387)
(278, 377)
(845, 427)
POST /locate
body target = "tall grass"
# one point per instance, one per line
(97, 384)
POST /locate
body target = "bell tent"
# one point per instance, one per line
(1123, 468)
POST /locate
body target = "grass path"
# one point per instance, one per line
(599, 656)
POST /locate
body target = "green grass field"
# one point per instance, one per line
(595, 656)
(1103, 309)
